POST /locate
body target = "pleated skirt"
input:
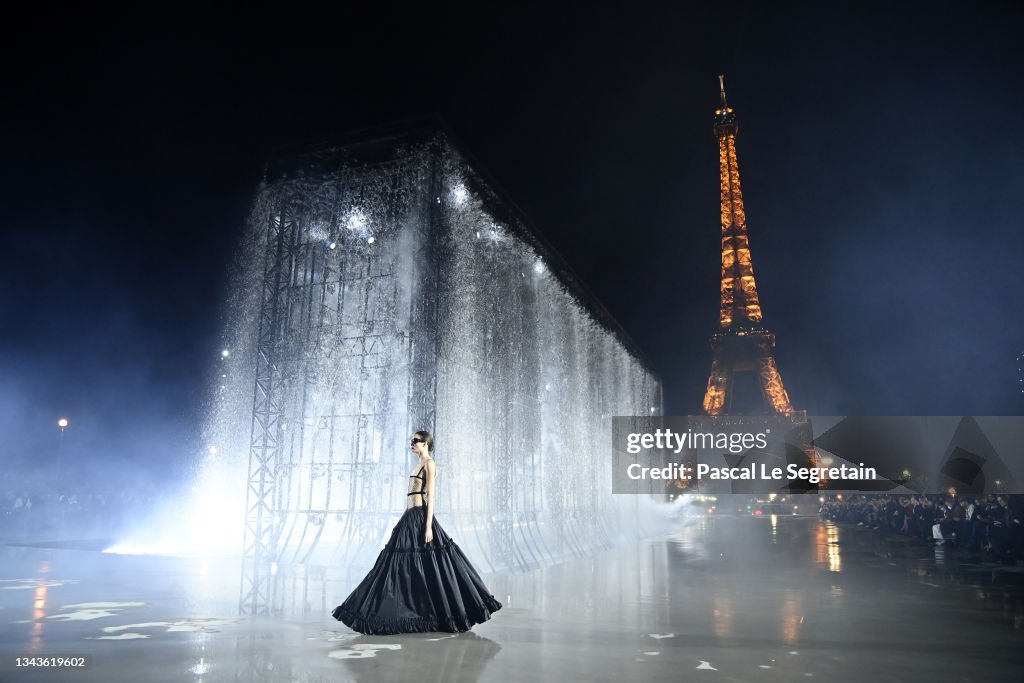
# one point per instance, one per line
(418, 587)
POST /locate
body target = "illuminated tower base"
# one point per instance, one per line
(744, 377)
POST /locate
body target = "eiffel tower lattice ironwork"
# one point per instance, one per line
(744, 377)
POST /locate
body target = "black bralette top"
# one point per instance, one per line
(423, 487)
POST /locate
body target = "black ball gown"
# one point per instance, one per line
(417, 587)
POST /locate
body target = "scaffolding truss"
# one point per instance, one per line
(399, 291)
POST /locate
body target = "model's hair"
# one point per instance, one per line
(429, 438)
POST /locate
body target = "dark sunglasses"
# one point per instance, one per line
(416, 440)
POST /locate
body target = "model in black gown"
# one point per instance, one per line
(421, 581)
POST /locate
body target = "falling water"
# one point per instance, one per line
(384, 288)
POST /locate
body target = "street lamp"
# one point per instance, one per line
(62, 423)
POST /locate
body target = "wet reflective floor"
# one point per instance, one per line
(725, 599)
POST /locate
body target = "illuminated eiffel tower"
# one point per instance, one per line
(744, 377)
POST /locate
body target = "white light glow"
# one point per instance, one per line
(319, 231)
(356, 220)
(205, 520)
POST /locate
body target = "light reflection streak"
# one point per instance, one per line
(791, 617)
(821, 545)
(722, 621)
(35, 643)
(835, 563)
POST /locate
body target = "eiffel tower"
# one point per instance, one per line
(744, 377)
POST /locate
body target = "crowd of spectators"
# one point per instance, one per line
(987, 524)
(50, 511)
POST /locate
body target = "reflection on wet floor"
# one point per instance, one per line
(835, 562)
(970, 576)
(777, 598)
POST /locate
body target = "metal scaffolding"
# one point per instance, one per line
(399, 291)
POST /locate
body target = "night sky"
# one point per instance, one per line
(880, 148)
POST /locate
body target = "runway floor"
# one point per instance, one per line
(721, 599)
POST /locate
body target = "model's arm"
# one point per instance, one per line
(429, 536)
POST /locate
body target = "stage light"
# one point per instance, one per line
(356, 221)
(460, 195)
(225, 353)
(371, 240)
(332, 245)
(212, 450)
(62, 423)
(538, 267)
